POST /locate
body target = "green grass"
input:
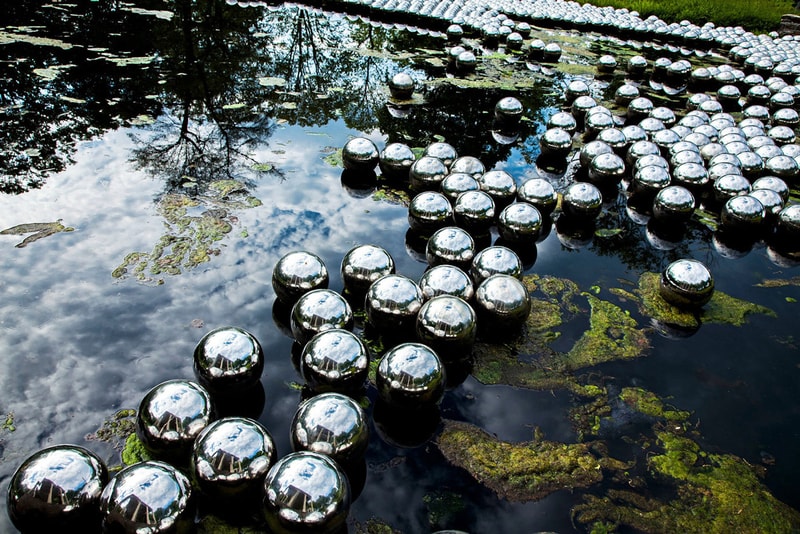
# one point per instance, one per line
(757, 16)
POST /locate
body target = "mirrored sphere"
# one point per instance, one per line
(582, 201)
(411, 376)
(650, 179)
(520, 222)
(468, 165)
(499, 185)
(57, 488)
(774, 183)
(591, 150)
(508, 110)
(451, 245)
(606, 169)
(228, 359)
(171, 416)
(771, 200)
(686, 283)
(729, 186)
(743, 212)
(495, 260)
(502, 303)
(149, 497)
(427, 173)
(317, 311)
(392, 304)
(231, 457)
(297, 273)
(783, 167)
(428, 211)
(331, 424)
(789, 224)
(556, 142)
(448, 325)
(540, 193)
(360, 154)
(336, 360)
(563, 120)
(362, 265)
(401, 86)
(396, 160)
(456, 183)
(674, 203)
(441, 151)
(446, 280)
(306, 492)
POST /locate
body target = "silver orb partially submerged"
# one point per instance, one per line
(448, 325)
(395, 161)
(540, 193)
(228, 359)
(411, 376)
(446, 280)
(331, 424)
(582, 201)
(686, 283)
(502, 303)
(520, 222)
(428, 211)
(450, 245)
(495, 260)
(360, 154)
(392, 304)
(297, 273)
(362, 265)
(317, 311)
(401, 86)
(335, 360)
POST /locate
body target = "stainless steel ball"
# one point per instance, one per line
(782, 135)
(428, 211)
(171, 416)
(502, 304)
(331, 424)
(752, 164)
(426, 174)
(540, 193)
(57, 488)
(582, 201)
(362, 265)
(401, 86)
(639, 108)
(446, 280)
(151, 497)
(743, 213)
(495, 260)
(639, 149)
(783, 167)
(520, 222)
(395, 161)
(576, 88)
(441, 151)
(411, 376)
(673, 204)
(606, 64)
(556, 142)
(306, 492)
(788, 228)
(614, 138)
(563, 120)
(625, 93)
(456, 183)
(508, 111)
(650, 180)
(552, 53)
(334, 360)
(231, 457)
(392, 304)
(693, 176)
(318, 311)
(772, 202)
(500, 185)
(228, 359)
(776, 184)
(591, 150)
(466, 61)
(468, 165)
(686, 283)
(360, 154)
(606, 170)
(450, 245)
(448, 325)
(474, 211)
(730, 185)
(297, 273)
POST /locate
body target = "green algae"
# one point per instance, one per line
(374, 526)
(134, 451)
(334, 159)
(518, 471)
(391, 195)
(780, 282)
(37, 231)
(649, 403)
(120, 432)
(8, 424)
(443, 507)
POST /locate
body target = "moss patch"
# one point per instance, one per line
(37, 231)
(120, 432)
(649, 403)
(518, 471)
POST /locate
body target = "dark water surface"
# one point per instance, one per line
(111, 114)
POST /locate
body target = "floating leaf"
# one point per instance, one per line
(269, 81)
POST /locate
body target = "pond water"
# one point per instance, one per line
(184, 147)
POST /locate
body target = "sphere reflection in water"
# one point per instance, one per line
(392, 304)
(297, 273)
(362, 265)
(502, 303)
(331, 424)
(360, 154)
(582, 201)
(171, 416)
(495, 260)
(317, 311)
(306, 492)
(335, 359)
(228, 359)
(401, 86)
(395, 161)
(450, 245)
(57, 488)
(231, 457)
(686, 283)
(411, 376)
(446, 280)
(520, 222)
(151, 497)
(448, 325)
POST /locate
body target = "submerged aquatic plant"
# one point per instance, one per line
(37, 231)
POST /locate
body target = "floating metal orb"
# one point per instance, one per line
(514, 41)
(674, 203)
(455, 32)
(171, 415)
(650, 180)
(360, 154)
(633, 134)
(331, 424)
(728, 96)
(468, 165)
(786, 117)
(756, 112)
(759, 95)
(664, 139)
(401, 86)
(395, 161)
(606, 64)
(540, 193)
(711, 106)
(502, 303)
(448, 325)
(474, 211)
(660, 66)
(536, 50)
(362, 265)
(446, 280)
(596, 122)
(563, 120)
(466, 61)
(306, 492)
(639, 108)
(495, 260)
(228, 359)
(593, 149)
(685, 156)
(451, 245)
(318, 311)
(297, 273)
(428, 211)
(523, 28)
(427, 173)
(441, 151)
(783, 167)
(686, 283)
(788, 228)
(614, 138)
(651, 160)
(556, 142)
(411, 375)
(700, 79)
(625, 93)
(771, 200)
(580, 106)
(392, 303)
(582, 200)
(57, 489)
(639, 149)
(231, 457)
(693, 103)
(730, 185)
(552, 53)
(335, 360)
(636, 66)
(725, 158)
(776, 184)
(752, 164)
(508, 111)
(692, 176)
(576, 88)
(456, 183)
(665, 115)
(606, 170)
(151, 497)
(780, 100)
(782, 135)
(769, 150)
(500, 185)
(710, 150)
(743, 213)
(702, 135)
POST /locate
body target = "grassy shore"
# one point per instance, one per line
(754, 15)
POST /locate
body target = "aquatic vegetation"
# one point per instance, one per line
(442, 507)
(650, 404)
(374, 526)
(518, 471)
(120, 432)
(211, 524)
(37, 231)
(780, 282)
(8, 424)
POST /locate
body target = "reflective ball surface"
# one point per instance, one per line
(318, 311)
(556, 142)
(392, 304)
(171, 416)
(57, 488)
(729, 186)
(306, 492)
(456, 183)
(411, 376)
(360, 154)
(297, 273)
(445, 152)
(401, 86)
(428, 211)
(650, 179)
(771, 200)
(540, 193)
(606, 169)
(500, 186)
(335, 360)
(427, 173)
(744, 213)
(468, 165)
(508, 110)
(450, 245)
(395, 161)
(591, 150)
(362, 265)
(495, 260)
(231, 457)
(582, 201)
(686, 283)
(149, 497)
(674, 203)
(773, 182)
(446, 280)
(228, 359)
(331, 424)
(502, 303)
(520, 222)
